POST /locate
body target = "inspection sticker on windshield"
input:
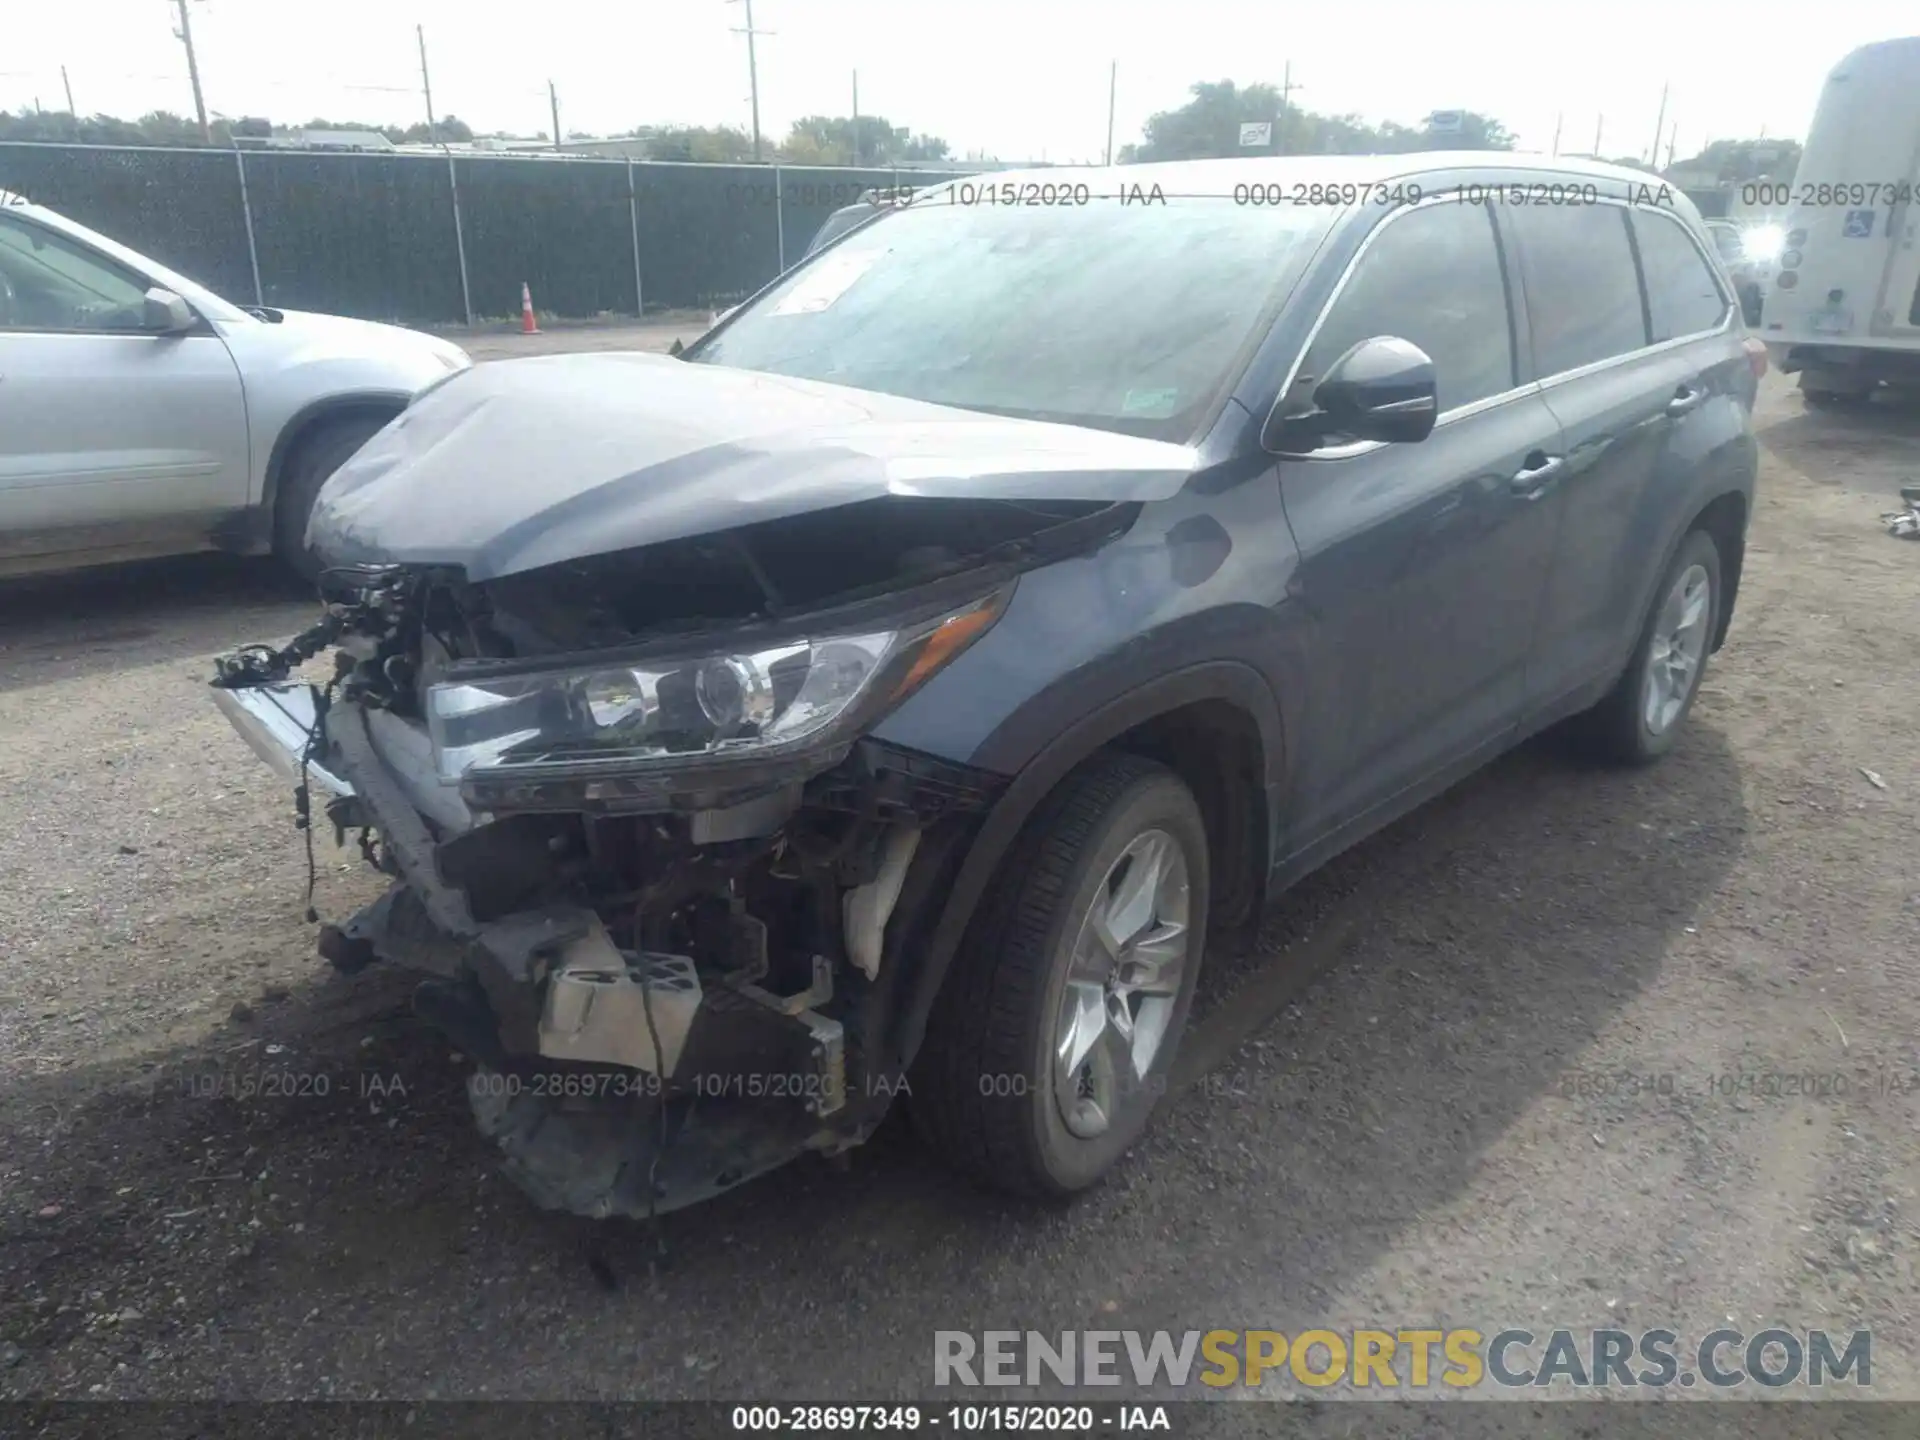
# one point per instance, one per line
(1154, 404)
(826, 282)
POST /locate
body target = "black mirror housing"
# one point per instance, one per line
(1383, 389)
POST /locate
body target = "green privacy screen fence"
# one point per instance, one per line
(445, 238)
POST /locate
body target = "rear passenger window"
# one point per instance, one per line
(1583, 294)
(1432, 276)
(1683, 298)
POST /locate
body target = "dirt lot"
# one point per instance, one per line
(1383, 1121)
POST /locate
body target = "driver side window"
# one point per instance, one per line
(1432, 276)
(49, 283)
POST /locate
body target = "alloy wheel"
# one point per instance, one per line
(1678, 646)
(1130, 953)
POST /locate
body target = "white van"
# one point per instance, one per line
(1843, 309)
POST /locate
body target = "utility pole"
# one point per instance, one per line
(856, 118)
(426, 85)
(185, 36)
(553, 99)
(753, 74)
(1556, 132)
(1659, 124)
(68, 84)
(1287, 87)
(1113, 83)
(1672, 132)
(1599, 125)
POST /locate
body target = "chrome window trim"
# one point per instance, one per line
(1361, 447)
(1541, 384)
(1459, 412)
(1533, 386)
(1658, 347)
(1713, 264)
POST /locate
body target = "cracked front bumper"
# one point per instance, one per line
(552, 1009)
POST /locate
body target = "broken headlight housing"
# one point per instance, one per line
(754, 702)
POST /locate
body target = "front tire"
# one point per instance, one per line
(319, 453)
(1640, 718)
(1057, 1027)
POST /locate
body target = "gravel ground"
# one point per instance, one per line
(1383, 1120)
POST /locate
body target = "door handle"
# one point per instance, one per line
(1533, 479)
(1687, 397)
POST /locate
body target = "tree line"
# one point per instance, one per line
(814, 140)
(163, 127)
(1208, 125)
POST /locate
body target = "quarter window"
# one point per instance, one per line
(49, 283)
(1583, 293)
(1431, 276)
(1683, 298)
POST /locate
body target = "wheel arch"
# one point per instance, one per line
(1724, 518)
(304, 423)
(1216, 724)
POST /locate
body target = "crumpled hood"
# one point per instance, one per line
(523, 463)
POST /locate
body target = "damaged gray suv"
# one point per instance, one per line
(888, 699)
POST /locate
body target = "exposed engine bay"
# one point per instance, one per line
(659, 881)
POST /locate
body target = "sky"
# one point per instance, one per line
(1012, 79)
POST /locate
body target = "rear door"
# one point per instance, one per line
(1651, 386)
(1587, 328)
(104, 423)
(1423, 564)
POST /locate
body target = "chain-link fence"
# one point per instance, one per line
(447, 237)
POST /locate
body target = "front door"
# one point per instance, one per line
(103, 423)
(1422, 565)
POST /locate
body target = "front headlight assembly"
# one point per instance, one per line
(698, 712)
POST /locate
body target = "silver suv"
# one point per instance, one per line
(141, 414)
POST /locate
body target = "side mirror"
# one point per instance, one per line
(165, 313)
(1382, 389)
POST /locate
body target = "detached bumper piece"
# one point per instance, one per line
(623, 1072)
(277, 722)
(660, 1093)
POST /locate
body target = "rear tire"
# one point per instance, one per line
(1028, 1079)
(1640, 718)
(320, 452)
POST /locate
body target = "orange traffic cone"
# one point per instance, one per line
(527, 325)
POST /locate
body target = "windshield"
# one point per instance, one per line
(1128, 317)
